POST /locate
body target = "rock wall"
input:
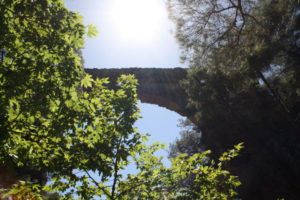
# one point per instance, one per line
(160, 86)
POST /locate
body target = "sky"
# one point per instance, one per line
(114, 47)
(133, 33)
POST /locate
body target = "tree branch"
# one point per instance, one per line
(101, 188)
(116, 170)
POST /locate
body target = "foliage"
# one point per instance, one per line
(156, 181)
(57, 120)
(202, 26)
(251, 38)
(189, 141)
(22, 190)
(40, 69)
(27, 190)
(243, 81)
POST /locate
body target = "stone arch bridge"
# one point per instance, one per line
(160, 86)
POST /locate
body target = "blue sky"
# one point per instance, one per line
(111, 49)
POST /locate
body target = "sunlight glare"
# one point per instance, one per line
(137, 20)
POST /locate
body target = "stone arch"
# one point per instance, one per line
(159, 86)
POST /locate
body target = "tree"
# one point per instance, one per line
(249, 36)
(55, 118)
(202, 26)
(40, 69)
(189, 142)
(59, 123)
(243, 82)
(156, 181)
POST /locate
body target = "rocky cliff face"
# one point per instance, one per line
(160, 86)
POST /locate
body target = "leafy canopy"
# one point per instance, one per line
(57, 120)
(243, 83)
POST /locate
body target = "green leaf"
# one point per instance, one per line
(87, 81)
(92, 31)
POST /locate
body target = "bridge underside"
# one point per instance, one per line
(159, 86)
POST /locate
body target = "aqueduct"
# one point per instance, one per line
(160, 86)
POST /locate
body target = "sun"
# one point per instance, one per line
(137, 20)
